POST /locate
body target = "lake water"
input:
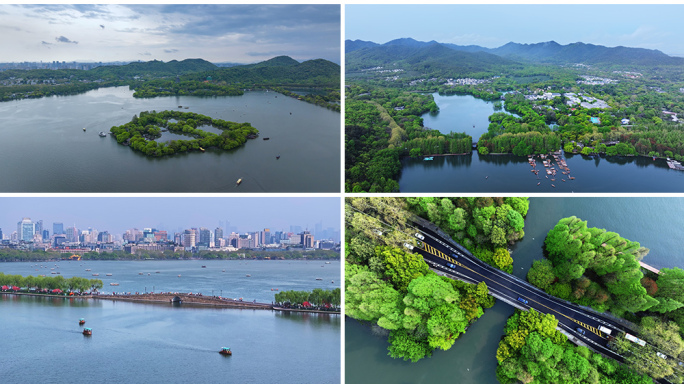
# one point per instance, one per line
(43, 147)
(508, 173)
(655, 222)
(265, 275)
(460, 113)
(159, 343)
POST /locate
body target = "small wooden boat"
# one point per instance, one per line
(248, 275)
(115, 284)
(201, 149)
(225, 351)
(102, 134)
(267, 138)
(84, 130)
(238, 182)
(277, 157)
(81, 321)
(87, 331)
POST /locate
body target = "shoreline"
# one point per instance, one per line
(187, 299)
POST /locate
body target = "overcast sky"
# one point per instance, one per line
(217, 33)
(116, 214)
(643, 26)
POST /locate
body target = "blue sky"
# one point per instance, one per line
(130, 32)
(116, 214)
(643, 26)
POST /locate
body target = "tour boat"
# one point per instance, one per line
(108, 274)
(225, 351)
(102, 134)
(87, 331)
(248, 275)
(428, 158)
(113, 283)
(81, 321)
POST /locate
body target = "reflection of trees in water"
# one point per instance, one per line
(312, 319)
(52, 301)
(639, 161)
(503, 159)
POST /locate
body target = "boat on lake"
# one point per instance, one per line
(248, 275)
(81, 321)
(267, 138)
(115, 284)
(102, 134)
(428, 158)
(108, 274)
(87, 332)
(226, 351)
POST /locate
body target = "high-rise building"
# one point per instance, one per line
(104, 237)
(307, 239)
(57, 228)
(1, 234)
(72, 234)
(204, 237)
(218, 235)
(25, 230)
(38, 228)
(189, 238)
(266, 236)
(46, 235)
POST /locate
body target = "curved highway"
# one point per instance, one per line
(444, 255)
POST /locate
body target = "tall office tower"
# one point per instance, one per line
(266, 236)
(25, 229)
(218, 235)
(307, 239)
(204, 237)
(1, 234)
(72, 234)
(189, 238)
(57, 228)
(38, 228)
(46, 235)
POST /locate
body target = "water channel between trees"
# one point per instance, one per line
(43, 147)
(508, 173)
(653, 222)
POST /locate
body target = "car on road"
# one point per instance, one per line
(409, 246)
(662, 356)
(420, 236)
(455, 256)
(451, 266)
(520, 299)
(581, 331)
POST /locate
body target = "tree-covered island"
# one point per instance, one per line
(581, 98)
(140, 133)
(387, 285)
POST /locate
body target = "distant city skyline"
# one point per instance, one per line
(130, 32)
(118, 214)
(493, 25)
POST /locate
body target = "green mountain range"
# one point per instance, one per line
(545, 52)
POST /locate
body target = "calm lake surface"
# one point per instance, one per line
(508, 173)
(654, 222)
(460, 113)
(158, 343)
(43, 147)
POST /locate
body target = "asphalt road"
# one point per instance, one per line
(446, 256)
